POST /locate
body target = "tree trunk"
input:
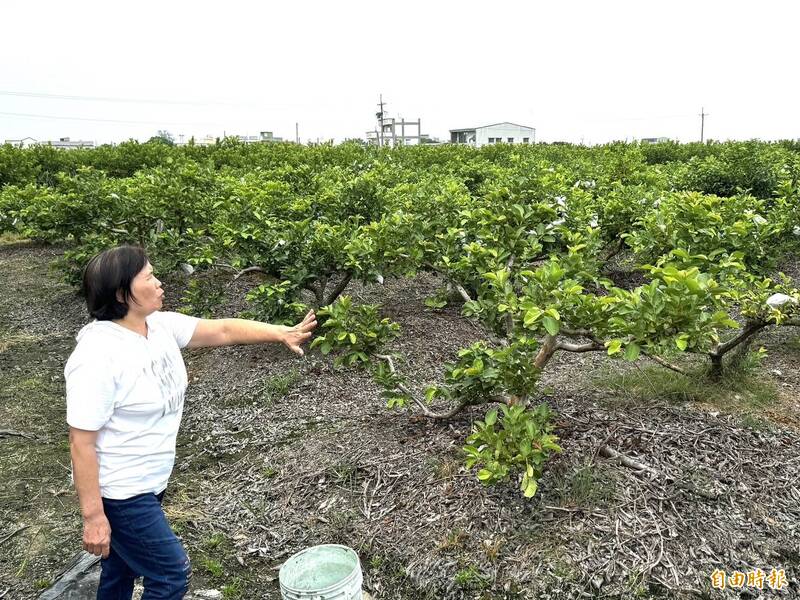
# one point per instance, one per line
(716, 366)
(546, 352)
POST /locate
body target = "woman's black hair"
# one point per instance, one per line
(106, 274)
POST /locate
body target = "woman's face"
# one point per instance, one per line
(147, 295)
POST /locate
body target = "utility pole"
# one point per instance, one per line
(380, 119)
(297, 132)
(703, 115)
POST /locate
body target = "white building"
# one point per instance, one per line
(654, 140)
(23, 143)
(67, 144)
(208, 140)
(497, 133)
(64, 143)
(264, 136)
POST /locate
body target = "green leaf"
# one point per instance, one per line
(551, 325)
(530, 488)
(491, 418)
(532, 316)
(353, 338)
(682, 342)
(553, 313)
(476, 368)
(484, 475)
(430, 393)
(614, 346)
(525, 448)
(435, 303)
(632, 351)
(490, 373)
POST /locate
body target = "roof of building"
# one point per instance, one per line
(492, 125)
(69, 142)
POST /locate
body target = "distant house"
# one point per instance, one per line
(208, 140)
(262, 137)
(67, 144)
(654, 140)
(497, 133)
(26, 142)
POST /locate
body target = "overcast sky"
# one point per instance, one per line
(577, 71)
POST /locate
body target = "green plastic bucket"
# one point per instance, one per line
(325, 572)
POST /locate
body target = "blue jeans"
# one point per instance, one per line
(142, 544)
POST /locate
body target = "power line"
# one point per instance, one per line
(163, 101)
(115, 99)
(653, 118)
(121, 121)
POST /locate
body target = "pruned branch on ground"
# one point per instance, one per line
(426, 411)
(13, 533)
(13, 432)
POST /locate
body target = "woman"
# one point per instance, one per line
(125, 387)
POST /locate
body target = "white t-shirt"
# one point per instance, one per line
(130, 388)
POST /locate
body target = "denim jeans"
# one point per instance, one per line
(142, 545)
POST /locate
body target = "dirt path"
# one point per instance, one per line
(278, 453)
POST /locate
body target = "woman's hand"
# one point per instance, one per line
(97, 535)
(295, 336)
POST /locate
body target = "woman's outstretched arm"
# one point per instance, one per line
(228, 332)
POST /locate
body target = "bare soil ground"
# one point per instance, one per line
(278, 453)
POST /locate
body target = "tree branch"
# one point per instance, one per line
(639, 468)
(546, 352)
(509, 318)
(427, 412)
(220, 265)
(587, 347)
(338, 289)
(664, 363)
(627, 461)
(551, 345)
(10, 432)
(462, 292)
(249, 270)
(576, 332)
(319, 290)
(750, 329)
(436, 416)
(13, 533)
(581, 333)
(613, 250)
